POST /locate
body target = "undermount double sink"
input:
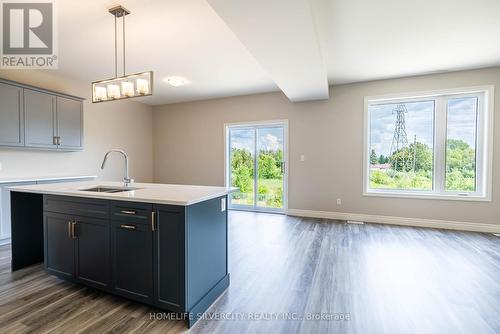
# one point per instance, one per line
(105, 189)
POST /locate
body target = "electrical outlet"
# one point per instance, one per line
(339, 201)
(302, 157)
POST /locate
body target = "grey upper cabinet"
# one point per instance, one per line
(69, 123)
(11, 115)
(40, 119)
(32, 117)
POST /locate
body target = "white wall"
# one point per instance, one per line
(189, 146)
(120, 124)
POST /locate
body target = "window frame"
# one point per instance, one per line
(484, 143)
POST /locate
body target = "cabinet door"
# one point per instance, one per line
(92, 252)
(11, 116)
(69, 123)
(168, 257)
(39, 113)
(132, 259)
(59, 245)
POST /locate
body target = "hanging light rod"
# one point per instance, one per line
(125, 86)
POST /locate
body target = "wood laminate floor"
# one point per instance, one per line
(287, 271)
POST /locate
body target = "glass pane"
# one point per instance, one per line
(461, 144)
(270, 167)
(242, 165)
(402, 145)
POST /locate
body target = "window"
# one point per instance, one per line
(436, 144)
(255, 163)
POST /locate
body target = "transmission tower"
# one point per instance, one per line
(402, 160)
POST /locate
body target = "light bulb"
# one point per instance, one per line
(127, 88)
(142, 86)
(114, 91)
(100, 93)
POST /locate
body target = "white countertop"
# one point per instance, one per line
(174, 194)
(44, 178)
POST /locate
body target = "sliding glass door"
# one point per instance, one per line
(256, 166)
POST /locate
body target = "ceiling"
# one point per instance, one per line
(227, 48)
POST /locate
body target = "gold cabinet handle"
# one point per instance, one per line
(70, 229)
(128, 227)
(73, 230)
(153, 219)
(129, 212)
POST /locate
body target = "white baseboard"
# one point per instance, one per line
(419, 222)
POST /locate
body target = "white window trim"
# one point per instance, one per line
(484, 146)
(277, 122)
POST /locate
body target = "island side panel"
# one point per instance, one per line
(27, 229)
(206, 234)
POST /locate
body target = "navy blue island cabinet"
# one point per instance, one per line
(174, 258)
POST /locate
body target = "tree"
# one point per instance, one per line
(383, 159)
(242, 169)
(460, 156)
(268, 167)
(422, 156)
(373, 157)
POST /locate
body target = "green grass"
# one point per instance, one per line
(270, 194)
(389, 179)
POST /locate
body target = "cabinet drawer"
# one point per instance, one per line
(77, 206)
(131, 212)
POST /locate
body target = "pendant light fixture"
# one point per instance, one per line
(126, 86)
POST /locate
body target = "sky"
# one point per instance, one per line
(420, 122)
(267, 139)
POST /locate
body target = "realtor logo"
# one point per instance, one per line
(28, 35)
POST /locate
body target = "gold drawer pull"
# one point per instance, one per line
(71, 229)
(128, 227)
(153, 222)
(129, 212)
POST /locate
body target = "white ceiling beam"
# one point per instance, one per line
(281, 36)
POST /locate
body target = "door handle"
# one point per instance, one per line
(153, 223)
(128, 227)
(70, 230)
(129, 212)
(73, 230)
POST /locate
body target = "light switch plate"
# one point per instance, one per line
(222, 204)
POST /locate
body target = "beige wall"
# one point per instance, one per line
(189, 146)
(121, 124)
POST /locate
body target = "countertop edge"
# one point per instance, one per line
(124, 199)
(49, 178)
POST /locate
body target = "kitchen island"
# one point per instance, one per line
(162, 245)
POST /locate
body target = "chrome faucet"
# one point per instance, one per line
(126, 180)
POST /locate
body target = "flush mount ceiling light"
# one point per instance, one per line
(176, 81)
(126, 86)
